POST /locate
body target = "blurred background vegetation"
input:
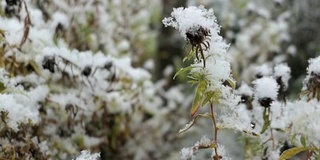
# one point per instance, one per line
(259, 33)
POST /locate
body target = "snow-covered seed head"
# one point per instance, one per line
(107, 65)
(266, 91)
(314, 81)
(244, 98)
(72, 109)
(86, 71)
(48, 63)
(197, 36)
(265, 102)
(12, 2)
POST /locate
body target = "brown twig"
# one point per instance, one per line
(215, 130)
(27, 24)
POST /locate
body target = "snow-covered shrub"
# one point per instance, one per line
(273, 126)
(68, 83)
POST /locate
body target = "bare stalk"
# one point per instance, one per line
(215, 130)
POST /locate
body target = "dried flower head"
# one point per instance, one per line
(195, 25)
(86, 71)
(313, 86)
(199, 38)
(49, 63)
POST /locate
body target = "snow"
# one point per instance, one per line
(204, 141)
(266, 87)
(314, 66)
(302, 118)
(221, 152)
(244, 89)
(86, 155)
(282, 70)
(18, 112)
(187, 154)
(184, 19)
(263, 70)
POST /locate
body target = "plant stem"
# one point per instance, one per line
(215, 130)
(272, 139)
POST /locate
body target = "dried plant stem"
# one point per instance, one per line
(202, 55)
(27, 24)
(215, 130)
(272, 139)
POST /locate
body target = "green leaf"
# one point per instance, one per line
(189, 55)
(213, 96)
(193, 121)
(182, 70)
(293, 151)
(35, 67)
(2, 87)
(196, 104)
(266, 120)
(292, 140)
(208, 98)
(232, 84)
(303, 141)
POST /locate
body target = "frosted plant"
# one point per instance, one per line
(258, 30)
(61, 95)
(210, 71)
(86, 155)
(311, 83)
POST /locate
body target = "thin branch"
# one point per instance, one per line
(27, 24)
(215, 130)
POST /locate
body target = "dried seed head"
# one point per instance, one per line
(108, 65)
(86, 71)
(198, 35)
(12, 2)
(314, 81)
(48, 63)
(199, 38)
(265, 102)
(244, 98)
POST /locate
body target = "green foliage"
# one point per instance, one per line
(183, 70)
(293, 151)
(200, 94)
(193, 121)
(266, 120)
(303, 141)
(189, 55)
(2, 87)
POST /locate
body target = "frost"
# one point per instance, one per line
(65, 99)
(263, 70)
(244, 89)
(266, 87)
(222, 152)
(314, 66)
(187, 154)
(86, 155)
(274, 155)
(185, 19)
(282, 71)
(301, 118)
(18, 112)
(218, 70)
(204, 141)
(44, 147)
